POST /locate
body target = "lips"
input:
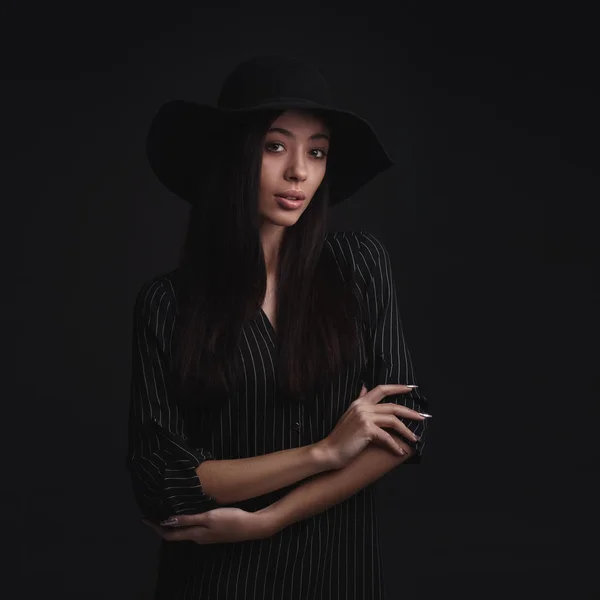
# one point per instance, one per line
(292, 195)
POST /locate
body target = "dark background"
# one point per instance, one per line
(489, 111)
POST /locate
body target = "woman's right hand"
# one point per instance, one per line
(362, 424)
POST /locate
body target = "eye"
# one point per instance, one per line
(269, 145)
(323, 153)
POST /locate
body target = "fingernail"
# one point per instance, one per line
(169, 521)
(425, 415)
(412, 386)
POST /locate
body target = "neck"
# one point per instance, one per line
(271, 236)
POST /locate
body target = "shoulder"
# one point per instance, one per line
(372, 248)
(351, 243)
(157, 296)
(362, 248)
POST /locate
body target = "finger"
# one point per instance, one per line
(186, 520)
(392, 422)
(397, 409)
(386, 389)
(362, 394)
(383, 438)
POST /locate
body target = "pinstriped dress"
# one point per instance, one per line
(332, 555)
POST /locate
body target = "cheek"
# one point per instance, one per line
(318, 176)
(268, 174)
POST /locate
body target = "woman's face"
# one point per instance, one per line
(294, 159)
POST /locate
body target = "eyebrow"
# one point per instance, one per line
(316, 136)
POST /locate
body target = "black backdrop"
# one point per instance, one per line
(489, 113)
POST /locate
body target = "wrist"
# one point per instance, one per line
(322, 456)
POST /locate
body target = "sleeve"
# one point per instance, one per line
(161, 462)
(388, 356)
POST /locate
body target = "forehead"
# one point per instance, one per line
(300, 120)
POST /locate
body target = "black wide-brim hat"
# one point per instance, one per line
(182, 130)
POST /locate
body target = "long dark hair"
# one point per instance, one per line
(223, 280)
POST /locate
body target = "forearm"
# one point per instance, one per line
(331, 488)
(230, 481)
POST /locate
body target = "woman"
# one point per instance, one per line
(271, 382)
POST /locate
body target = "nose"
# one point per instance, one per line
(296, 169)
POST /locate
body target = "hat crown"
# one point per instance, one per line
(269, 78)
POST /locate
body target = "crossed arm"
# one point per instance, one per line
(332, 487)
(316, 495)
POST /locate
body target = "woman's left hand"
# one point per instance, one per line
(217, 526)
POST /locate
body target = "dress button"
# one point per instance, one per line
(296, 427)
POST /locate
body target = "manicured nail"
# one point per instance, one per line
(425, 415)
(412, 386)
(169, 521)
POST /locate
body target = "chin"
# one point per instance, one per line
(282, 220)
(282, 217)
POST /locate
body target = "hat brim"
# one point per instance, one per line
(178, 157)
